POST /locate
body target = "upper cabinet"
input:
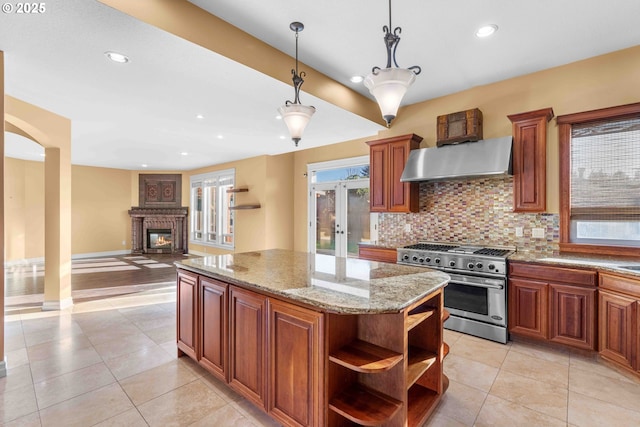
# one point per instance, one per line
(387, 159)
(530, 160)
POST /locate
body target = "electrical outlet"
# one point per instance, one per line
(124, 242)
(519, 232)
(407, 228)
(537, 233)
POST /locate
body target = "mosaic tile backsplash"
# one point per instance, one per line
(477, 211)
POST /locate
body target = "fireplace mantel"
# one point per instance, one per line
(146, 218)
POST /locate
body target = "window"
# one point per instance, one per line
(600, 181)
(211, 216)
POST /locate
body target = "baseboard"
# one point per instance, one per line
(57, 305)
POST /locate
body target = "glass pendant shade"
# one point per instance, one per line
(296, 117)
(388, 86)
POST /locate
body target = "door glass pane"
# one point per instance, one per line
(325, 221)
(358, 217)
(196, 203)
(227, 214)
(213, 219)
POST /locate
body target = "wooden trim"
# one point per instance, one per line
(410, 136)
(547, 113)
(601, 114)
(564, 145)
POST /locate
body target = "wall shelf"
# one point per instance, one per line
(242, 207)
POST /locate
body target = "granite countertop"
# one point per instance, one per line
(605, 263)
(331, 284)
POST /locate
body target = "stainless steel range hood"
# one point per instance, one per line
(485, 158)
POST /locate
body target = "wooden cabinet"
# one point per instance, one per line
(387, 160)
(528, 308)
(213, 319)
(377, 253)
(247, 367)
(296, 364)
(553, 303)
(619, 320)
(530, 160)
(187, 294)
(386, 369)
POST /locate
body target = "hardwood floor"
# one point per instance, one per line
(92, 278)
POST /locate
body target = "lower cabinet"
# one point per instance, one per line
(553, 303)
(619, 320)
(247, 347)
(269, 351)
(213, 319)
(296, 364)
(187, 297)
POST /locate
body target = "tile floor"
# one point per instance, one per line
(112, 361)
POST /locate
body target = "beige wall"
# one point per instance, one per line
(100, 199)
(24, 209)
(99, 196)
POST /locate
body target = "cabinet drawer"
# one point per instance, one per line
(553, 274)
(620, 284)
(375, 253)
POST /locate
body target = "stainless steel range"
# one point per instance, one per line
(476, 296)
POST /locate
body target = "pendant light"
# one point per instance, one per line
(295, 115)
(388, 85)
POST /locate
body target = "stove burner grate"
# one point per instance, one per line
(431, 247)
(492, 252)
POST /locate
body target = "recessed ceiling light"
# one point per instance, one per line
(356, 79)
(184, 153)
(278, 117)
(117, 57)
(144, 166)
(486, 30)
(220, 136)
(283, 137)
(199, 116)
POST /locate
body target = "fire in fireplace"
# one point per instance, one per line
(159, 239)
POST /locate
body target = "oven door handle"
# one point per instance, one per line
(487, 284)
(479, 285)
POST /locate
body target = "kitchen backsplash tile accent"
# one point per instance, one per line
(470, 211)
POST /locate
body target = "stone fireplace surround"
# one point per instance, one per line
(174, 219)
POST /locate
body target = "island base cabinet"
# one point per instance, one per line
(247, 369)
(617, 321)
(214, 327)
(296, 379)
(187, 325)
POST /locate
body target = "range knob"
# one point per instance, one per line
(437, 260)
(421, 260)
(415, 258)
(492, 267)
(479, 265)
(470, 265)
(405, 257)
(428, 259)
(452, 263)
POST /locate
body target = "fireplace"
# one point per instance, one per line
(159, 231)
(159, 238)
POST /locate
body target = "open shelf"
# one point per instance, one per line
(364, 406)
(240, 207)
(415, 317)
(445, 349)
(361, 356)
(238, 190)
(421, 402)
(419, 362)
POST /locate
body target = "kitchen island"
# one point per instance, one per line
(317, 340)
